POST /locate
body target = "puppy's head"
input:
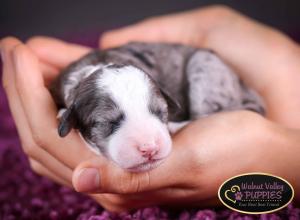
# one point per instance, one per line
(121, 113)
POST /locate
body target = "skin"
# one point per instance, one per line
(206, 152)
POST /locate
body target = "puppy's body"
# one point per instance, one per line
(128, 94)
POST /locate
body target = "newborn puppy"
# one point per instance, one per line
(124, 100)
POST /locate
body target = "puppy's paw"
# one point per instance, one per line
(60, 113)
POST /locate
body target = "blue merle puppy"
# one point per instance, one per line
(125, 101)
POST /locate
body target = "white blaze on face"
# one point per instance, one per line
(130, 89)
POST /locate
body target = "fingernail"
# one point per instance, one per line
(88, 179)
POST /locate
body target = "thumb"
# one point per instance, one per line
(99, 175)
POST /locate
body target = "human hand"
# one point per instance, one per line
(265, 59)
(205, 153)
(34, 111)
(129, 198)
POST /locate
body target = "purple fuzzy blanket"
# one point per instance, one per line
(25, 195)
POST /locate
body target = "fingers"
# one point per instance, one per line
(49, 72)
(190, 27)
(175, 28)
(105, 177)
(28, 144)
(47, 160)
(134, 32)
(43, 171)
(54, 55)
(6, 46)
(258, 53)
(56, 52)
(40, 111)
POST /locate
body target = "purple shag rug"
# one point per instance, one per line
(25, 195)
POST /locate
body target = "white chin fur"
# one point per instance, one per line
(145, 166)
(122, 148)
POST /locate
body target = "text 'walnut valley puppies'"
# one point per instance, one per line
(125, 100)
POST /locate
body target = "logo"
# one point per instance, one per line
(256, 193)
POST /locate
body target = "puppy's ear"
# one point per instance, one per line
(67, 121)
(173, 104)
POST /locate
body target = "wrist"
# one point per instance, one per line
(280, 155)
(287, 160)
(283, 91)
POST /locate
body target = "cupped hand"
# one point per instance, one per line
(205, 153)
(266, 59)
(230, 143)
(25, 77)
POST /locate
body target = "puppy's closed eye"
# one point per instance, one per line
(114, 124)
(110, 125)
(160, 113)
